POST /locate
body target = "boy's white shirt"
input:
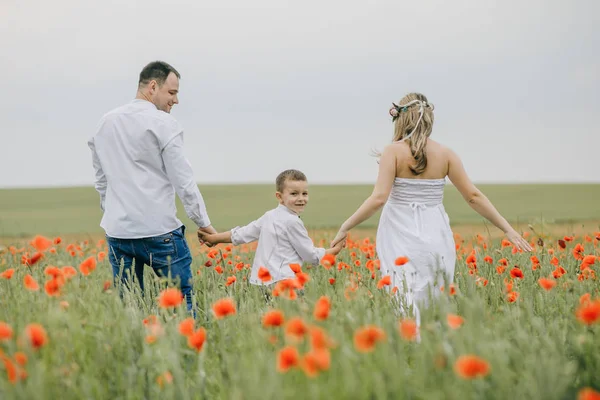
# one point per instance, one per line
(282, 240)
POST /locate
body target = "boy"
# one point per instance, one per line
(282, 237)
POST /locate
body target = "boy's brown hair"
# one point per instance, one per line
(288, 174)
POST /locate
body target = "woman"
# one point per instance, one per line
(414, 223)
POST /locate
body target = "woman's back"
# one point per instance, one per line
(437, 161)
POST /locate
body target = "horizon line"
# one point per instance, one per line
(360, 183)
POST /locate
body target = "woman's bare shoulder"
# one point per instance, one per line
(398, 147)
(440, 148)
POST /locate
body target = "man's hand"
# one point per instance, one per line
(208, 229)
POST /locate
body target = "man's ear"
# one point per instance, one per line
(278, 196)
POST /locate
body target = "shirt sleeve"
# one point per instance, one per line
(248, 233)
(100, 182)
(303, 244)
(181, 176)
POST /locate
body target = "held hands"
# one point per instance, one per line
(339, 238)
(338, 247)
(206, 235)
(338, 243)
(206, 238)
(515, 238)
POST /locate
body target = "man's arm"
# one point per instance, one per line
(100, 181)
(181, 176)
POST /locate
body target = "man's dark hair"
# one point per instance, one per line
(158, 71)
(288, 175)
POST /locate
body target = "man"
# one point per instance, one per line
(138, 158)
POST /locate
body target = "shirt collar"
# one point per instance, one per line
(282, 207)
(144, 103)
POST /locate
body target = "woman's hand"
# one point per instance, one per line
(341, 236)
(515, 238)
(338, 247)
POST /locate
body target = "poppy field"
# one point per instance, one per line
(522, 325)
(512, 325)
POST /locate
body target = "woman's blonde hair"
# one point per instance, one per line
(413, 122)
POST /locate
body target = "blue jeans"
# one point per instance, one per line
(166, 254)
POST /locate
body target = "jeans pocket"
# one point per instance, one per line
(161, 249)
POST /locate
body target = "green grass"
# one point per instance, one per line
(96, 347)
(25, 212)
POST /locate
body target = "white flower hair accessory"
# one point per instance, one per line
(397, 109)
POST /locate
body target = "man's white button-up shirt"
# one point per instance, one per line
(139, 162)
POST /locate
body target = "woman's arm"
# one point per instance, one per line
(479, 202)
(381, 192)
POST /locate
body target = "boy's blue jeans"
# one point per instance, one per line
(166, 254)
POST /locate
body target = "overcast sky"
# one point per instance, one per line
(272, 84)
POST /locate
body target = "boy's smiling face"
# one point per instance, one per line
(294, 196)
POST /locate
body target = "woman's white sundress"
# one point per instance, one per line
(414, 224)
